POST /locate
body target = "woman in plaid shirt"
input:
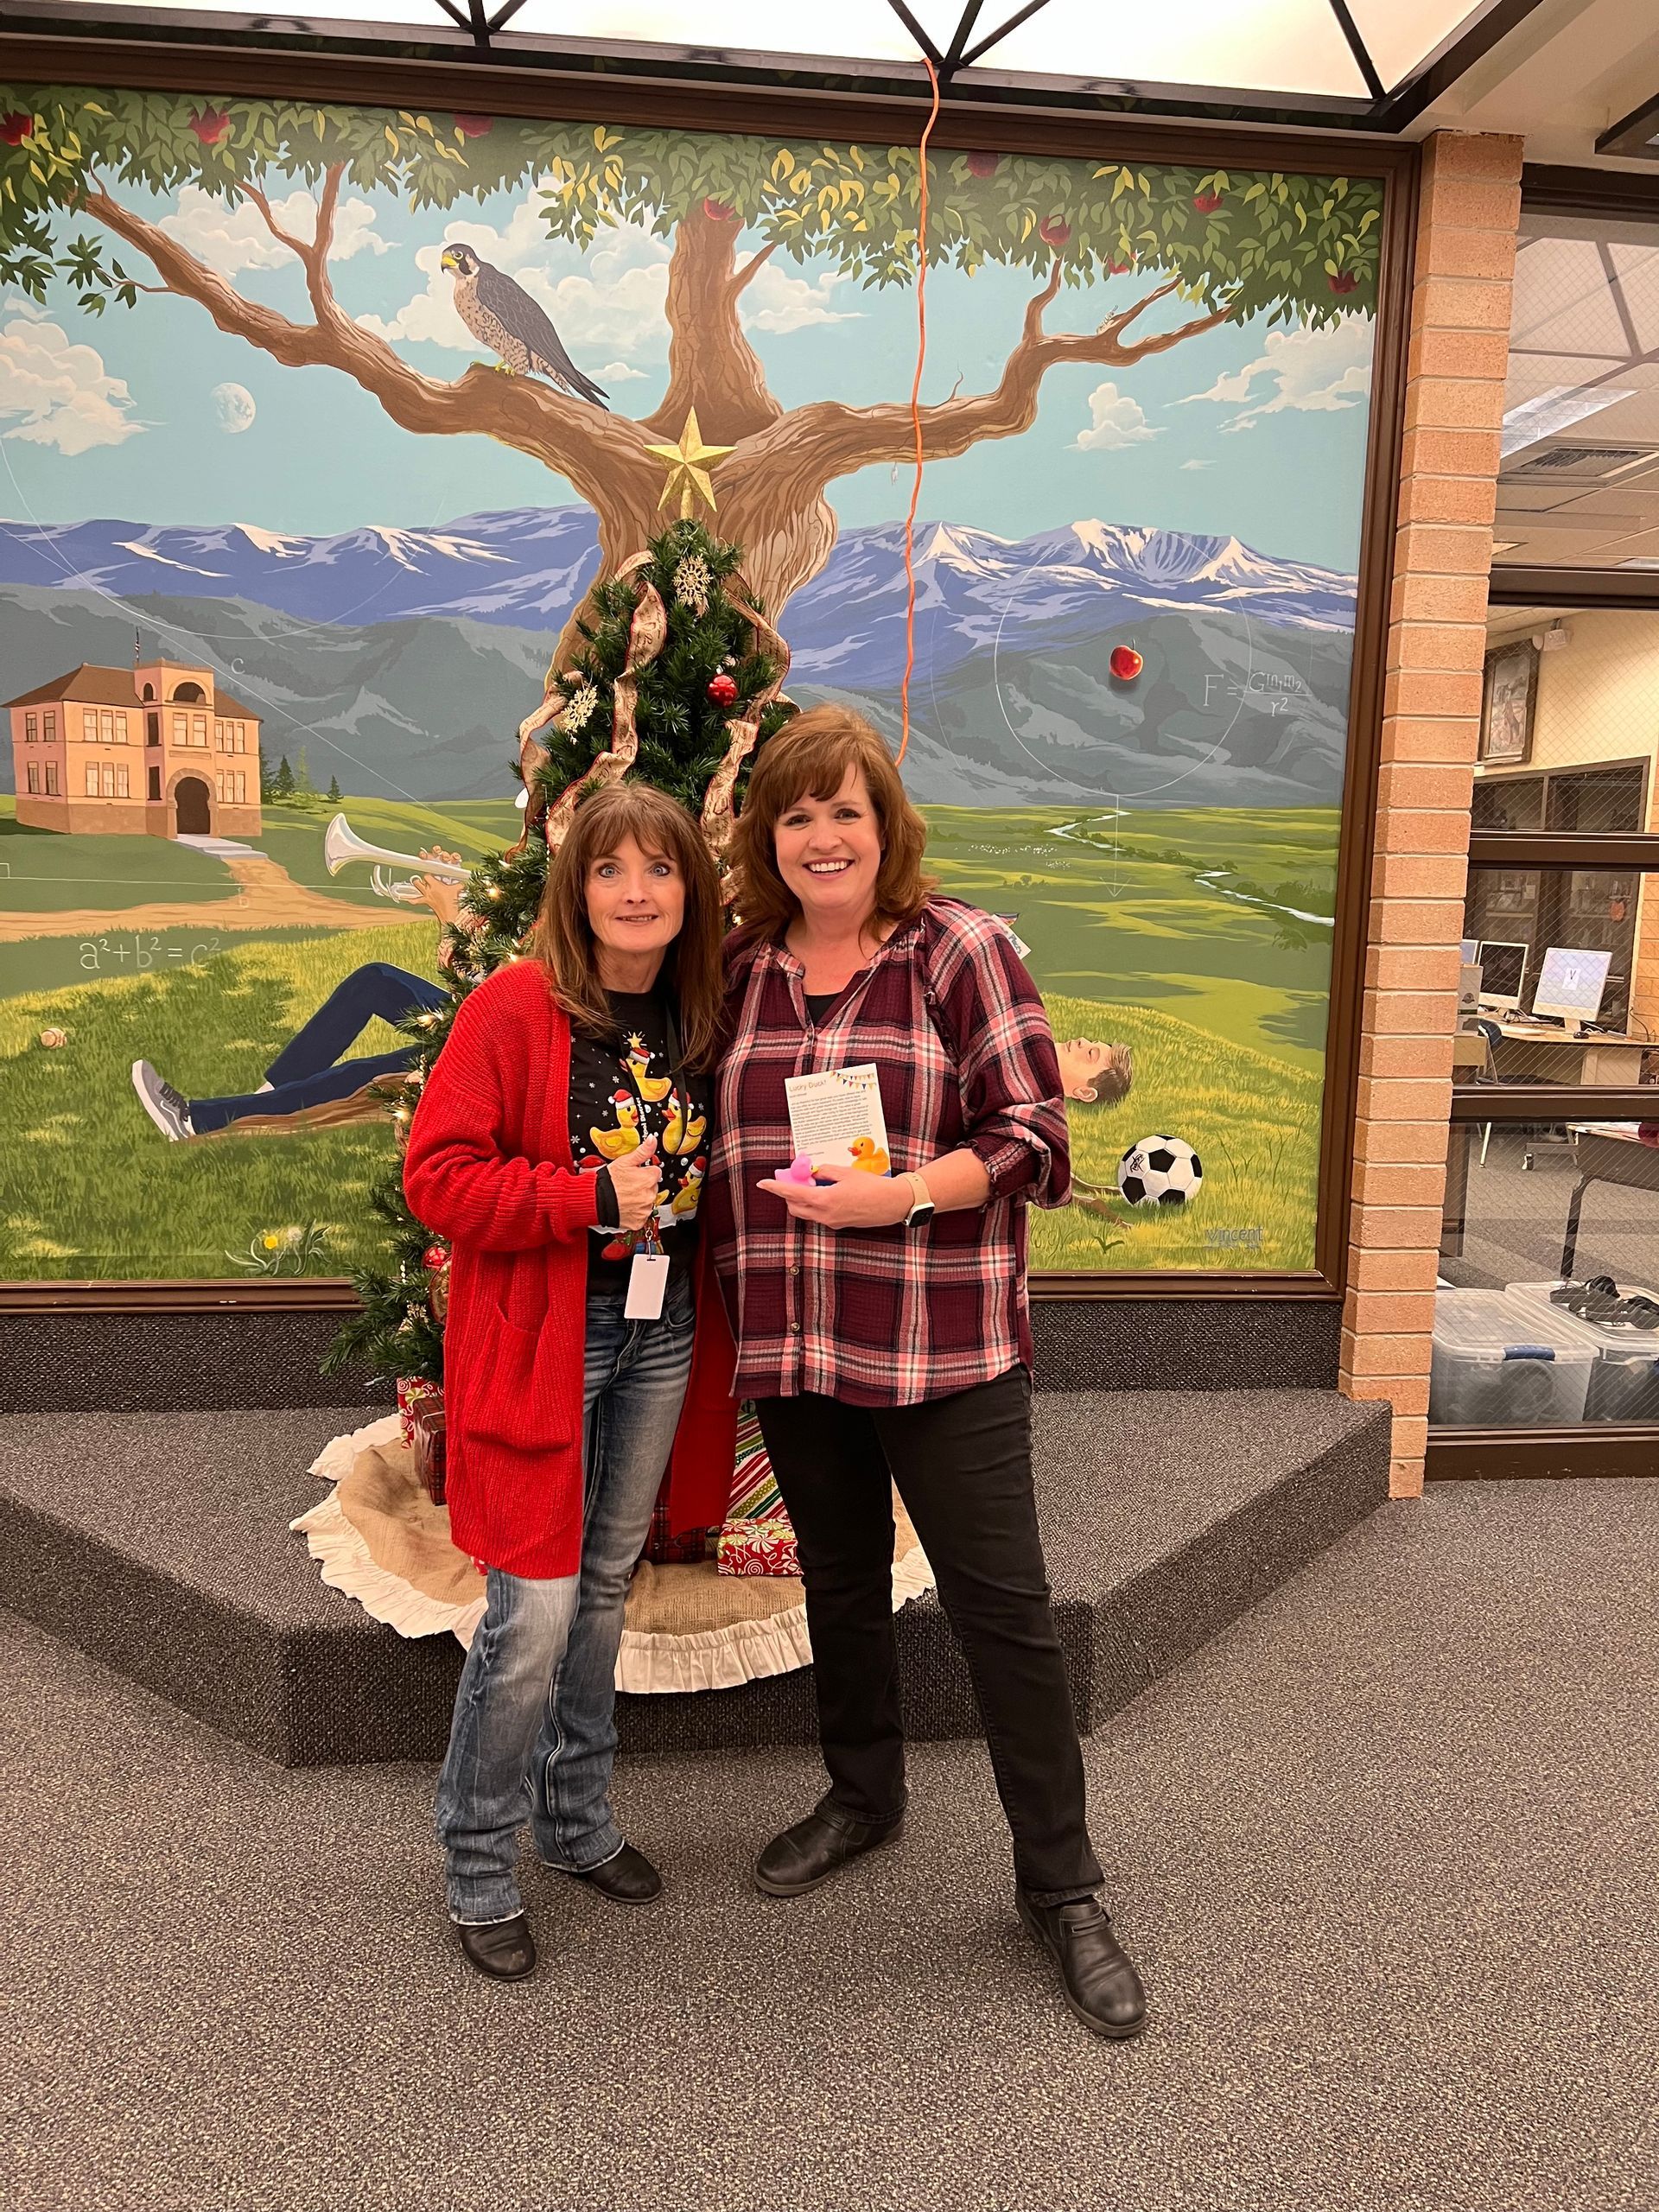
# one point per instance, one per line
(882, 1320)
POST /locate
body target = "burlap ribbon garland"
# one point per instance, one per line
(647, 634)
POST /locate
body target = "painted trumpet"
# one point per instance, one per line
(341, 846)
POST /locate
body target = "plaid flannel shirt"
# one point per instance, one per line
(889, 1317)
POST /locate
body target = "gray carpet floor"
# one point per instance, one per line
(1386, 1850)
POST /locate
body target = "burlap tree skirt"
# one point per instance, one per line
(379, 1538)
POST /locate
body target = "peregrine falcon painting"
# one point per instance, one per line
(503, 316)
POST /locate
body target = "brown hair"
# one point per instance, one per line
(812, 755)
(562, 938)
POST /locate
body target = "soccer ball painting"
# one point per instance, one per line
(1160, 1172)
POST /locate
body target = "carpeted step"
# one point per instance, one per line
(159, 1544)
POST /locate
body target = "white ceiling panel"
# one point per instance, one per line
(1399, 34)
(1285, 46)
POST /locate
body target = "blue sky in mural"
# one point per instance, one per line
(154, 414)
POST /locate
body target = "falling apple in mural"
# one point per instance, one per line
(1125, 664)
(1344, 281)
(717, 211)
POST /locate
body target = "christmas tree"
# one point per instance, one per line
(676, 685)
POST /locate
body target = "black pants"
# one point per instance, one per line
(962, 1466)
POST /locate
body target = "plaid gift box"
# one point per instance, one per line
(411, 1393)
(757, 1547)
(429, 1450)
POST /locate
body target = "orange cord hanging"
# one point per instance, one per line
(916, 420)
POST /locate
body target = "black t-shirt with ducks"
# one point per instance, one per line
(624, 1090)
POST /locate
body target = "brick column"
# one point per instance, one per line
(1465, 261)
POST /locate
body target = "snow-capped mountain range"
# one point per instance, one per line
(524, 568)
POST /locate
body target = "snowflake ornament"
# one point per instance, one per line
(580, 712)
(693, 583)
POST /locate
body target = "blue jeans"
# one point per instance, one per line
(534, 1732)
(308, 1070)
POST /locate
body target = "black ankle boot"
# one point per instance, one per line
(802, 1857)
(503, 1950)
(1102, 1985)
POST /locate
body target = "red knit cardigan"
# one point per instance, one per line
(489, 1166)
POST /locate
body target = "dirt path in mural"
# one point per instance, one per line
(267, 897)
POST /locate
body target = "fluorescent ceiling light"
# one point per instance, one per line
(1555, 409)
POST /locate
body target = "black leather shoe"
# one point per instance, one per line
(628, 1877)
(504, 1949)
(802, 1857)
(1102, 1985)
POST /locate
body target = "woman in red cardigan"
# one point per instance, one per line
(561, 1145)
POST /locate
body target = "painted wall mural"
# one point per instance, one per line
(316, 425)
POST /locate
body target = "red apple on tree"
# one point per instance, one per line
(717, 211)
(474, 126)
(1206, 202)
(210, 124)
(1125, 664)
(1344, 281)
(1054, 231)
(15, 128)
(983, 164)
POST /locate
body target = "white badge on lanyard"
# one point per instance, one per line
(647, 1287)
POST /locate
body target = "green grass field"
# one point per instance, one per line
(89, 1187)
(1173, 934)
(1253, 1122)
(1113, 908)
(43, 871)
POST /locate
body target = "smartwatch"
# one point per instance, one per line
(922, 1209)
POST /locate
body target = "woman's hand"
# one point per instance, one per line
(849, 1198)
(635, 1179)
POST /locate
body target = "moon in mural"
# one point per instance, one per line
(233, 407)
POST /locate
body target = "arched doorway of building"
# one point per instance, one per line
(190, 802)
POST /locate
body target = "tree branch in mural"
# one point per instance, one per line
(1292, 248)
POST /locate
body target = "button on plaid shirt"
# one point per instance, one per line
(889, 1317)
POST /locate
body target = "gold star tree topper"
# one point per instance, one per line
(689, 463)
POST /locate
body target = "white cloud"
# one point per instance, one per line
(607, 302)
(1307, 372)
(19, 303)
(1116, 420)
(231, 238)
(618, 372)
(55, 392)
(1198, 464)
(777, 302)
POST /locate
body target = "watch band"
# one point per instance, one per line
(922, 1207)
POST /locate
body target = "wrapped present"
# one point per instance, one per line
(757, 1547)
(754, 1488)
(429, 1450)
(412, 1393)
(683, 1550)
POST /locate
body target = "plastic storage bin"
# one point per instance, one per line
(1625, 1381)
(1503, 1361)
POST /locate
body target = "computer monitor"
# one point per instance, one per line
(1503, 974)
(1570, 984)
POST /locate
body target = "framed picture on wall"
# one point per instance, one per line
(1509, 703)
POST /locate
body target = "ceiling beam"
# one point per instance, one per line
(917, 32)
(1023, 15)
(1358, 49)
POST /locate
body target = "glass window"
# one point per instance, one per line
(92, 779)
(152, 729)
(180, 729)
(108, 780)
(241, 737)
(219, 784)
(106, 726)
(123, 790)
(89, 724)
(154, 782)
(241, 786)
(31, 729)
(34, 779)
(198, 730)
(51, 779)
(1547, 1313)
(120, 727)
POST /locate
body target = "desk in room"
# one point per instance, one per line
(1607, 1152)
(1523, 1054)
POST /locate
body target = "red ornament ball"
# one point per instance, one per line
(723, 691)
(433, 1257)
(1125, 664)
